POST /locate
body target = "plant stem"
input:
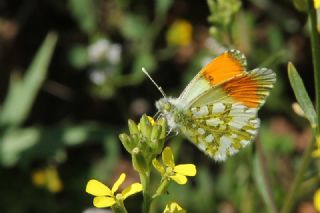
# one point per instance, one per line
(162, 188)
(266, 184)
(119, 208)
(145, 181)
(315, 48)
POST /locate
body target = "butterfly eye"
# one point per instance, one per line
(167, 107)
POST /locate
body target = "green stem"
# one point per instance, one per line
(119, 207)
(315, 47)
(162, 188)
(145, 181)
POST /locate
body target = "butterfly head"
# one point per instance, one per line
(164, 105)
(168, 109)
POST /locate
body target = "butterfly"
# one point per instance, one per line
(217, 111)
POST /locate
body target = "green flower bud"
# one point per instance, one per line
(135, 139)
(126, 142)
(138, 161)
(145, 126)
(133, 128)
(162, 136)
(163, 123)
(156, 132)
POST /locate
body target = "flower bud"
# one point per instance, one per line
(162, 136)
(156, 132)
(126, 142)
(145, 126)
(138, 161)
(135, 139)
(133, 128)
(163, 123)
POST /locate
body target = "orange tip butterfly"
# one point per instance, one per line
(217, 111)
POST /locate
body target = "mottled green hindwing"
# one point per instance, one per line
(220, 129)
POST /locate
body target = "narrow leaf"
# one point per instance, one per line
(22, 92)
(259, 177)
(302, 95)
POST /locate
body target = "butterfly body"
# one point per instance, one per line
(217, 111)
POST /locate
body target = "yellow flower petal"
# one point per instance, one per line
(173, 207)
(97, 188)
(156, 164)
(130, 190)
(39, 177)
(53, 180)
(167, 157)
(317, 4)
(186, 169)
(318, 138)
(316, 153)
(151, 120)
(179, 33)
(116, 185)
(179, 179)
(103, 202)
(316, 200)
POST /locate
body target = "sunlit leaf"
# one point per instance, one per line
(302, 95)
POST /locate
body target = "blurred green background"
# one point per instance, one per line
(70, 77)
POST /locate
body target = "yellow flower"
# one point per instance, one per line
(106, 197)
(316, 152)
(173, 207)
(179, 33)
(169, 170)
(317, 4)
(49, 178)
(316, 200)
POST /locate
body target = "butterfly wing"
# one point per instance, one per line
(224, 67)
(248, 88)
(223, 117)
(221, 129)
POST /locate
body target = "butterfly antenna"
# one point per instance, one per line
(158, 87)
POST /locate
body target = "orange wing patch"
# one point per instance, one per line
(244, 90)
(224, 67)
(251, 88)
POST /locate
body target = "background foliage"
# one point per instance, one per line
(71, 77)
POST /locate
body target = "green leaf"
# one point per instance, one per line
(84, 12)
(26, 144)
(258, 175)
(302, 95)
(134, 27)
(162, 6)
(78, 56)
(22, 92)
(301, 5)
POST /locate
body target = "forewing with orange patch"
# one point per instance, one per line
(250, 89)
(224, 67)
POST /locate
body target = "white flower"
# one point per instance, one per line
(98, 50)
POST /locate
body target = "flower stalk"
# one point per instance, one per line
(162, 188)
(145, 181)
(315, 48)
